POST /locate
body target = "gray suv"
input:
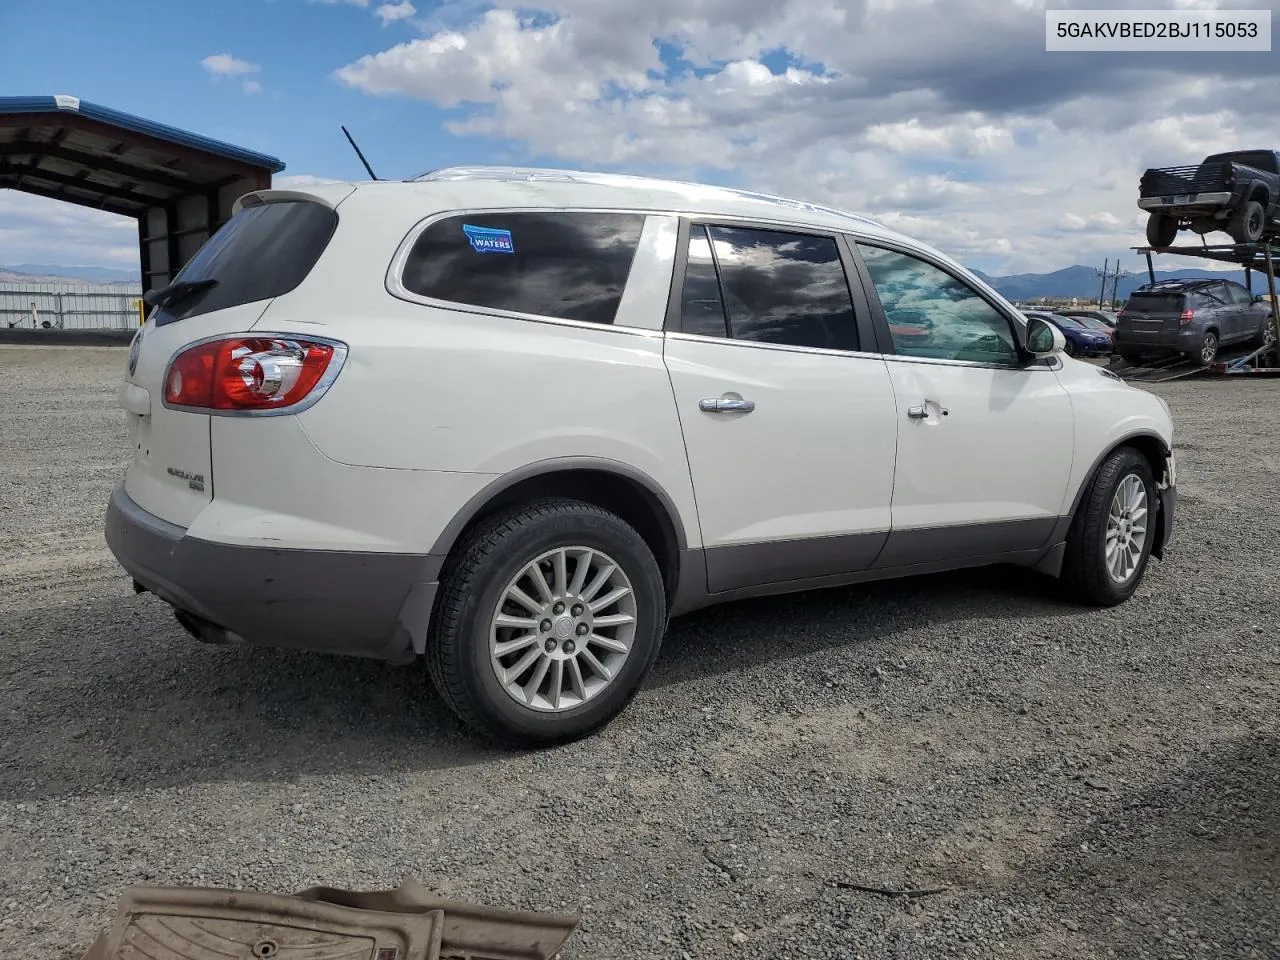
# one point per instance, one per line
(1190, 317)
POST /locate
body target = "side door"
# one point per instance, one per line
(986, 438)
(1215, 303)
(788, 417)
(1248, 317)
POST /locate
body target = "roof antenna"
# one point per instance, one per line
(372, 175)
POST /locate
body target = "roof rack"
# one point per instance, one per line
(600, 178)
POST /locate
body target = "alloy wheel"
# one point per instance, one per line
(1126, 528)
(563, 629)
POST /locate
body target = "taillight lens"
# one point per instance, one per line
(1187, 316)
(252, 373)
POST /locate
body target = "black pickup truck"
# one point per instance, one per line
(1238, 192)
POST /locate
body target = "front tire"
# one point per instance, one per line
(548, 622)
(1109, 543)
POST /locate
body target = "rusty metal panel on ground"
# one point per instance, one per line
(322, 923)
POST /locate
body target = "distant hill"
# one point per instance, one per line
(49, 272)
(1084, 282)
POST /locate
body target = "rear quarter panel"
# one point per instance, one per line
(447, 390)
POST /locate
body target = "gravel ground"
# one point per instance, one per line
(1085, 783)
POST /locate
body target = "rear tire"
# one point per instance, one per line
(1089, 572)
(1247, 222)
(1207, 351)
(1131, 356)
(497, 560)
(1162, 230)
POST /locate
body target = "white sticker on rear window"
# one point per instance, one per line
(489, 239)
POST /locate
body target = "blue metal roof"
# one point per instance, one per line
(125, 121)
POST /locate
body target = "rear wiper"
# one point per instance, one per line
(178, 290)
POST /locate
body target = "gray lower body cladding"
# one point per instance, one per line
(379, 605)
(346, 602)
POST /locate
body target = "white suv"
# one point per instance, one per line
(513, 420)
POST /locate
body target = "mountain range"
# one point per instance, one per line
(1078, 281)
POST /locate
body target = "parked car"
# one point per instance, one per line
(1238, 192)
(1106, 317)
(1081, 340)
(512, 421)
(1191, 317)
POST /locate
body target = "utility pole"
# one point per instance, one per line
(1115, 283)
(1102, 294)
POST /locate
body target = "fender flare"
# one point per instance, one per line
(480, 500)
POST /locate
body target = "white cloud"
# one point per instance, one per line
(944, 117)
(225, 65)
(251, 86)
(38, 230)
(389, 13)
(350, 3)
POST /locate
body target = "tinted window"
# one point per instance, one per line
(932, 314)
(1238, 293)
(1155, 302)
(572, 266)
(701, 309)
(784, 288)
(263, 251)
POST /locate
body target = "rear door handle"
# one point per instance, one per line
(726, 405)
(917, 413)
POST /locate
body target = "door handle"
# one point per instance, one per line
(726, 405)
(921, 411)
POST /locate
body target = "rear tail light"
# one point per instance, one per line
(253, 373)
(1187, 316)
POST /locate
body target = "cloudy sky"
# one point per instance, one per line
(945, 118)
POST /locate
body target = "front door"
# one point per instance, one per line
(789, 427)
(985, 444)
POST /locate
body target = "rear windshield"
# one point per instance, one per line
(1155, 301)
(1258, 159)
(263, 251)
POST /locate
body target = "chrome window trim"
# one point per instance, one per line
(782, 347)
(394, 285)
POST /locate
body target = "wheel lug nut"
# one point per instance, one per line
(577, 610)
(569, 646)
(582, 629)
(545, 626)
(558, 608)
(550, 646)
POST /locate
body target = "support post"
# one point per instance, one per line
(1275, 307)
(1151, 270)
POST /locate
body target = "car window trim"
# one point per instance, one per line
(863, 326)
(885, 335)
(393, 280)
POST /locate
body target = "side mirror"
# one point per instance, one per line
(1261, 298)
(1044, 339)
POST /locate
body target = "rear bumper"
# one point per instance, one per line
(1190, 203)
(1184, 340)
(356, 603)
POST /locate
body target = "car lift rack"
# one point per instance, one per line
(1265, 360)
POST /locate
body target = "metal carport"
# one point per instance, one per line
(179, 186)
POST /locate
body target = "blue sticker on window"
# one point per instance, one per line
(489, 239)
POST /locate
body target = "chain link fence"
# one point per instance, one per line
(70, 306)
